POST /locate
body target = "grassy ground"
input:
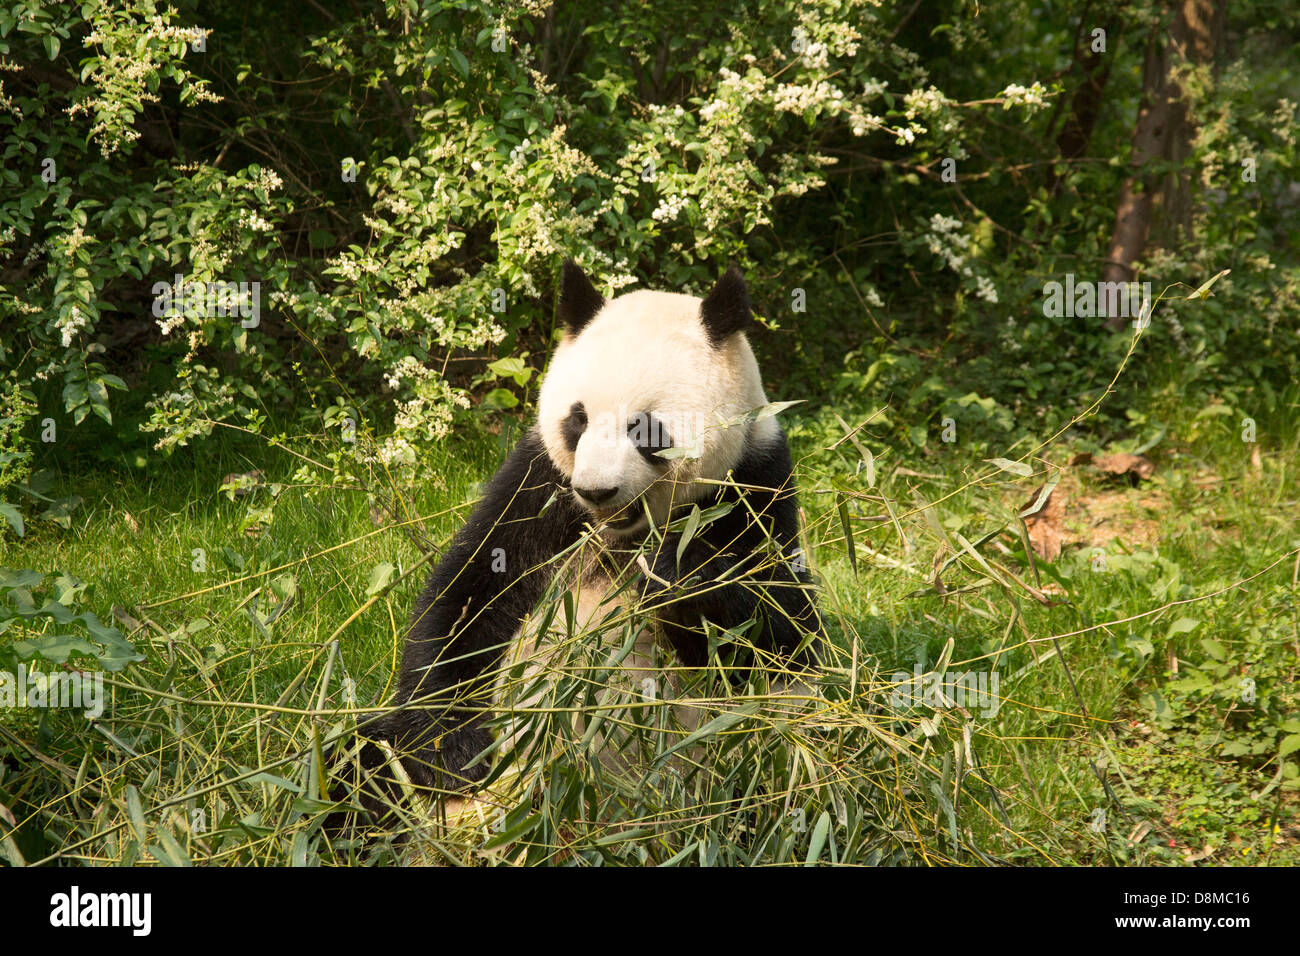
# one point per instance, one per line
(1144, 706)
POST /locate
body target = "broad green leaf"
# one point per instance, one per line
(820, 832)
(14, 517)
(1023, 469)
(1203, 292)
(380, 575)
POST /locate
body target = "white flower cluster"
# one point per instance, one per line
(73, 240)
(69, 325)
(840, 38)
(1284, 121)
(251, 220)
(906, 135)
(422, 420)
(925, 102)
(946, 241)
(266, 179)
(1017, 95)
(614, 270)
(816, 56)
(398, 205)
(6, 101)
(168, 324)
(407, 367)
(796, 98)
(710, 110)
(669, 208)
(935, 106)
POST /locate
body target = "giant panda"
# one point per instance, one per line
(588, 493)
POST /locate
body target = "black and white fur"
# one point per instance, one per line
(632, 375)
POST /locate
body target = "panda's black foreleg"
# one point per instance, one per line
(730, 592)
(495, 571)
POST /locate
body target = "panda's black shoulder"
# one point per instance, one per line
(766, 461)
(524, 503)
(528, 466)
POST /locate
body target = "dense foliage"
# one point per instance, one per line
(402, 180)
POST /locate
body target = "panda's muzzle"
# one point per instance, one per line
(595, 496)
(626, 516)
(616, 517)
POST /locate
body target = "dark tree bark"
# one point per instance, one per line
(1163, 131)
(1093, 71)
(1195, 39)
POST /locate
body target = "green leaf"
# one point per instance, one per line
(19, 578)
(176, 855)
(460, 62)
(498, 399)
(1043, 495)
(75, 393)
(1288, 746)
(274, 781)
(770, 410)
(55, 648)
(692, 525)
(714, 726)
(1143, 647)
(380, 575)
(820, 832)
(12, 515)
(1023, 469)
(61, 511)
(1203, 292)
(513, 368)
(1214, 648)
(848, 537)
(516, 831)
(135, 813)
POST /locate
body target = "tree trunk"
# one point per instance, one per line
(1195, 38)
(1093, 68)
(1163, 131)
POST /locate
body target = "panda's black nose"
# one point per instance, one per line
(596, 495)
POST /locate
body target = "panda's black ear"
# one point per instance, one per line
(579, 300)
(726, 308)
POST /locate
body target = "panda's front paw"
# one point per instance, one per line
(654, 581)
(661, 584)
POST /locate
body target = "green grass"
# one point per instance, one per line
(1121, 736)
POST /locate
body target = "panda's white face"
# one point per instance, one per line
(641, 376)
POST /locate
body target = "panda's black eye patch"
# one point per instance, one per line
(650, 436)
(574, 424)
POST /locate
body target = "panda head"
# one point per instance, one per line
(642, 373)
